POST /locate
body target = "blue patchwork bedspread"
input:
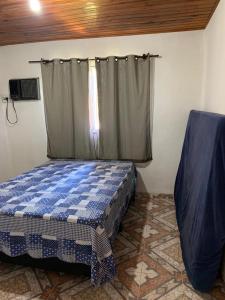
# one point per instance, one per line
(67, 209)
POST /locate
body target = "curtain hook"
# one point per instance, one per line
(144, 56)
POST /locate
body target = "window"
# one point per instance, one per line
(93, 100)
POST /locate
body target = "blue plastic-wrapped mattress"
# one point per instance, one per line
(200, 198)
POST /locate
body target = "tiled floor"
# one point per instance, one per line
(148, 260)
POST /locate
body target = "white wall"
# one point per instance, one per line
(178, 76)
(214, 62)
(23, 145)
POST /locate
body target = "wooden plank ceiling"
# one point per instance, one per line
(71, 19)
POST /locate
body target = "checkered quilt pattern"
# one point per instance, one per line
(67, 209)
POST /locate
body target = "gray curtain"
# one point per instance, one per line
(65, 88)
(124, 108)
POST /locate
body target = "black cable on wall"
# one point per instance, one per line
(7, 100)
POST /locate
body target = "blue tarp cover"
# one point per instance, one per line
(200, 198)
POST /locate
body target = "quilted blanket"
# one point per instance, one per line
(67, 209)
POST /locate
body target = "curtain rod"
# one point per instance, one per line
(93, 59)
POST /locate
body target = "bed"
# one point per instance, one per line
(67, 209)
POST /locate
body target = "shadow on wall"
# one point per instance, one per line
(152, 94)
(141, 187)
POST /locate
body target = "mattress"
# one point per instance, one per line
(67, 209)
(199, 196)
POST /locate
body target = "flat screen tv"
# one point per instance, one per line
(24, 89)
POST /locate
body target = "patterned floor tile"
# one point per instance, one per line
(143, 274)
(55, 282)
(122, 246)
(147, 231)
(218, 292)
(85, 291)
(148, 258)
(20, 284)
(171, 252)
(152, 206)
(131, 216)
(138, 243)
(7, 268)
(168, 218)
(182, 292)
